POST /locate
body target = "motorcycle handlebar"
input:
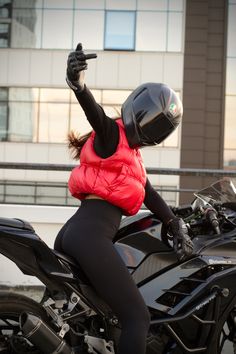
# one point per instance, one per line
(211, 216)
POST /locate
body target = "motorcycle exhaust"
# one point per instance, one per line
(42, 336)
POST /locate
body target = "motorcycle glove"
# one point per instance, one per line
(76, 65)
(183, 244)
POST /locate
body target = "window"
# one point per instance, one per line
(151, 31)
(85, 33)
(53, 115)
(4, 35)
(143, 25)
(57, 28)
(26, 28)
(230, 98)
(5, 8)
(5, 14)
(47, 115)
(23, 112)
(3, 114)
(120, 30)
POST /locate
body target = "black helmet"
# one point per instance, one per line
(150, 114)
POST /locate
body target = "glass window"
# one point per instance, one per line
(3, 94)
(22, 119)
(5, 8)
(18, 193)
(4, 35)
(173, 139)
(230, 125)
(26, 28)
(112, 111)
(230, 158)
(24, 94)
(230, 99)
(23, 114)
(151, 31)
(114, 96)
(230, 76)
(78, 120)
(51, 195)
(3, 113)
(175, 30)
(53, 122)
(120, 30)
(57, 29)
(231, 45)
(53, 115)
(166, 193)
(54, 95)
(3, 121)
(85, 33)
(97, 94)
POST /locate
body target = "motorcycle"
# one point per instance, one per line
(192, 301)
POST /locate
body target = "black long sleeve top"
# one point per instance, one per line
(106, 142)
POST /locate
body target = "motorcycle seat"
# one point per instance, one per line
(72, 262)
(16, 223)
(66, 258)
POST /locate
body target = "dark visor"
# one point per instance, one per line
(158, 130)
(153, 125)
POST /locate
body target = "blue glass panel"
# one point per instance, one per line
(4, 35)
(120, 30)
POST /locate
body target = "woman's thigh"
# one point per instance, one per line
(89, 241)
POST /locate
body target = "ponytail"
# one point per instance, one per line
(76, 142)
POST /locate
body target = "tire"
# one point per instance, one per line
(225, 336)
(11, 339)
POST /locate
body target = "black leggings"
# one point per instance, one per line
(87, 236)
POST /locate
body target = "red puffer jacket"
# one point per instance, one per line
(119, 179)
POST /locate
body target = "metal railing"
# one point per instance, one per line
(150, 170)
(56, 193)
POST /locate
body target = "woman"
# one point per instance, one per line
(111, 181)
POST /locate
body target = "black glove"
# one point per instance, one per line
(183, 244)
(76, 64)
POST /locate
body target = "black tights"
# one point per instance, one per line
(87, 236)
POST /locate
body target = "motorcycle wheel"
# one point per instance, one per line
(226, 333)
(11, 338)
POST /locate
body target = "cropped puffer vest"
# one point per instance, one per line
(119, 179)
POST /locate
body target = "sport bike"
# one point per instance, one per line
(192, 301)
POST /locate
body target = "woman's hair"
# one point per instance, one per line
(76, 142)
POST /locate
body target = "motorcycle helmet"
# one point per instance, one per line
(150, 114)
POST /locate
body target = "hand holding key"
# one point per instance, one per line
(76, 64)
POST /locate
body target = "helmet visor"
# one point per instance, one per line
(153, 125)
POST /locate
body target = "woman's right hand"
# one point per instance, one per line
(76, 64)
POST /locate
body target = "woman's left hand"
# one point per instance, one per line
(183, 244)
(76, 64)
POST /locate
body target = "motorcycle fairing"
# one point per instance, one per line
(25, 248)
(181, 285)
(143, 238)
(218, 245)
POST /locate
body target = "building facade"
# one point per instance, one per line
(136, 42)
(187, 44)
